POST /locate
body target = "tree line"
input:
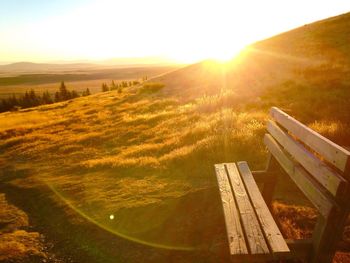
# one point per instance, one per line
(119, 86)
(32, 99)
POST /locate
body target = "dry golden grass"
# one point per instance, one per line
(133, 155)
(11, 218)
(297, 222)
(21, 245)
(126, 154)
(17, 244)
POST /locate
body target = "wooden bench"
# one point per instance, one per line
(320, 169)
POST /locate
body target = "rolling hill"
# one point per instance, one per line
(312, 59)
(128, 177)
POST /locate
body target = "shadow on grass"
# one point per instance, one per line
(74, 239)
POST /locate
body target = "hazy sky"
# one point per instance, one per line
(186, 30)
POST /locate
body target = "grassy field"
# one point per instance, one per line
(142, 159)
(128, 177)
(93, 85)
(89, 74)
(76, 80)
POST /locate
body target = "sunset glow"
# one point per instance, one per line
(185, 31)
(137, 130)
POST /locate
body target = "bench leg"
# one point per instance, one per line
(270, 181)
(326, 235)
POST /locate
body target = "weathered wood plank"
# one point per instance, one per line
(252, 229)
(332, 152)
(301, 178)
(272, 234)
(234, 229)
(330, 179)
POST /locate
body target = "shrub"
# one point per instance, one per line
(104, 87)
(151, 87)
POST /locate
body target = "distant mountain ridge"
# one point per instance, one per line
(31, 67)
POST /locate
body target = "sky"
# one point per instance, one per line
(183, 30)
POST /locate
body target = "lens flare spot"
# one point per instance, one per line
(111, 217)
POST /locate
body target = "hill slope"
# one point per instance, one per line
(324, 40)
(313, 58)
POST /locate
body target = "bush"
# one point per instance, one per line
(104, 87)
(151, 87)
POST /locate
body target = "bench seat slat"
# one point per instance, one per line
(234, 229)
(254, 234)
(335, 154)
(300, 177)
(332, 181)
(278, 245)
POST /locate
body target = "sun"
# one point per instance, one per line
(227, 54)
(219, 53)
(222, 58)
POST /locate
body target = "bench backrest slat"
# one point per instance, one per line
(325, 175)
(301, 178)
(333, 153)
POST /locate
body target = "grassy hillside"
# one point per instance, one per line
(146, 161)
(323, 40)
(305, 69)
(128, 177)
